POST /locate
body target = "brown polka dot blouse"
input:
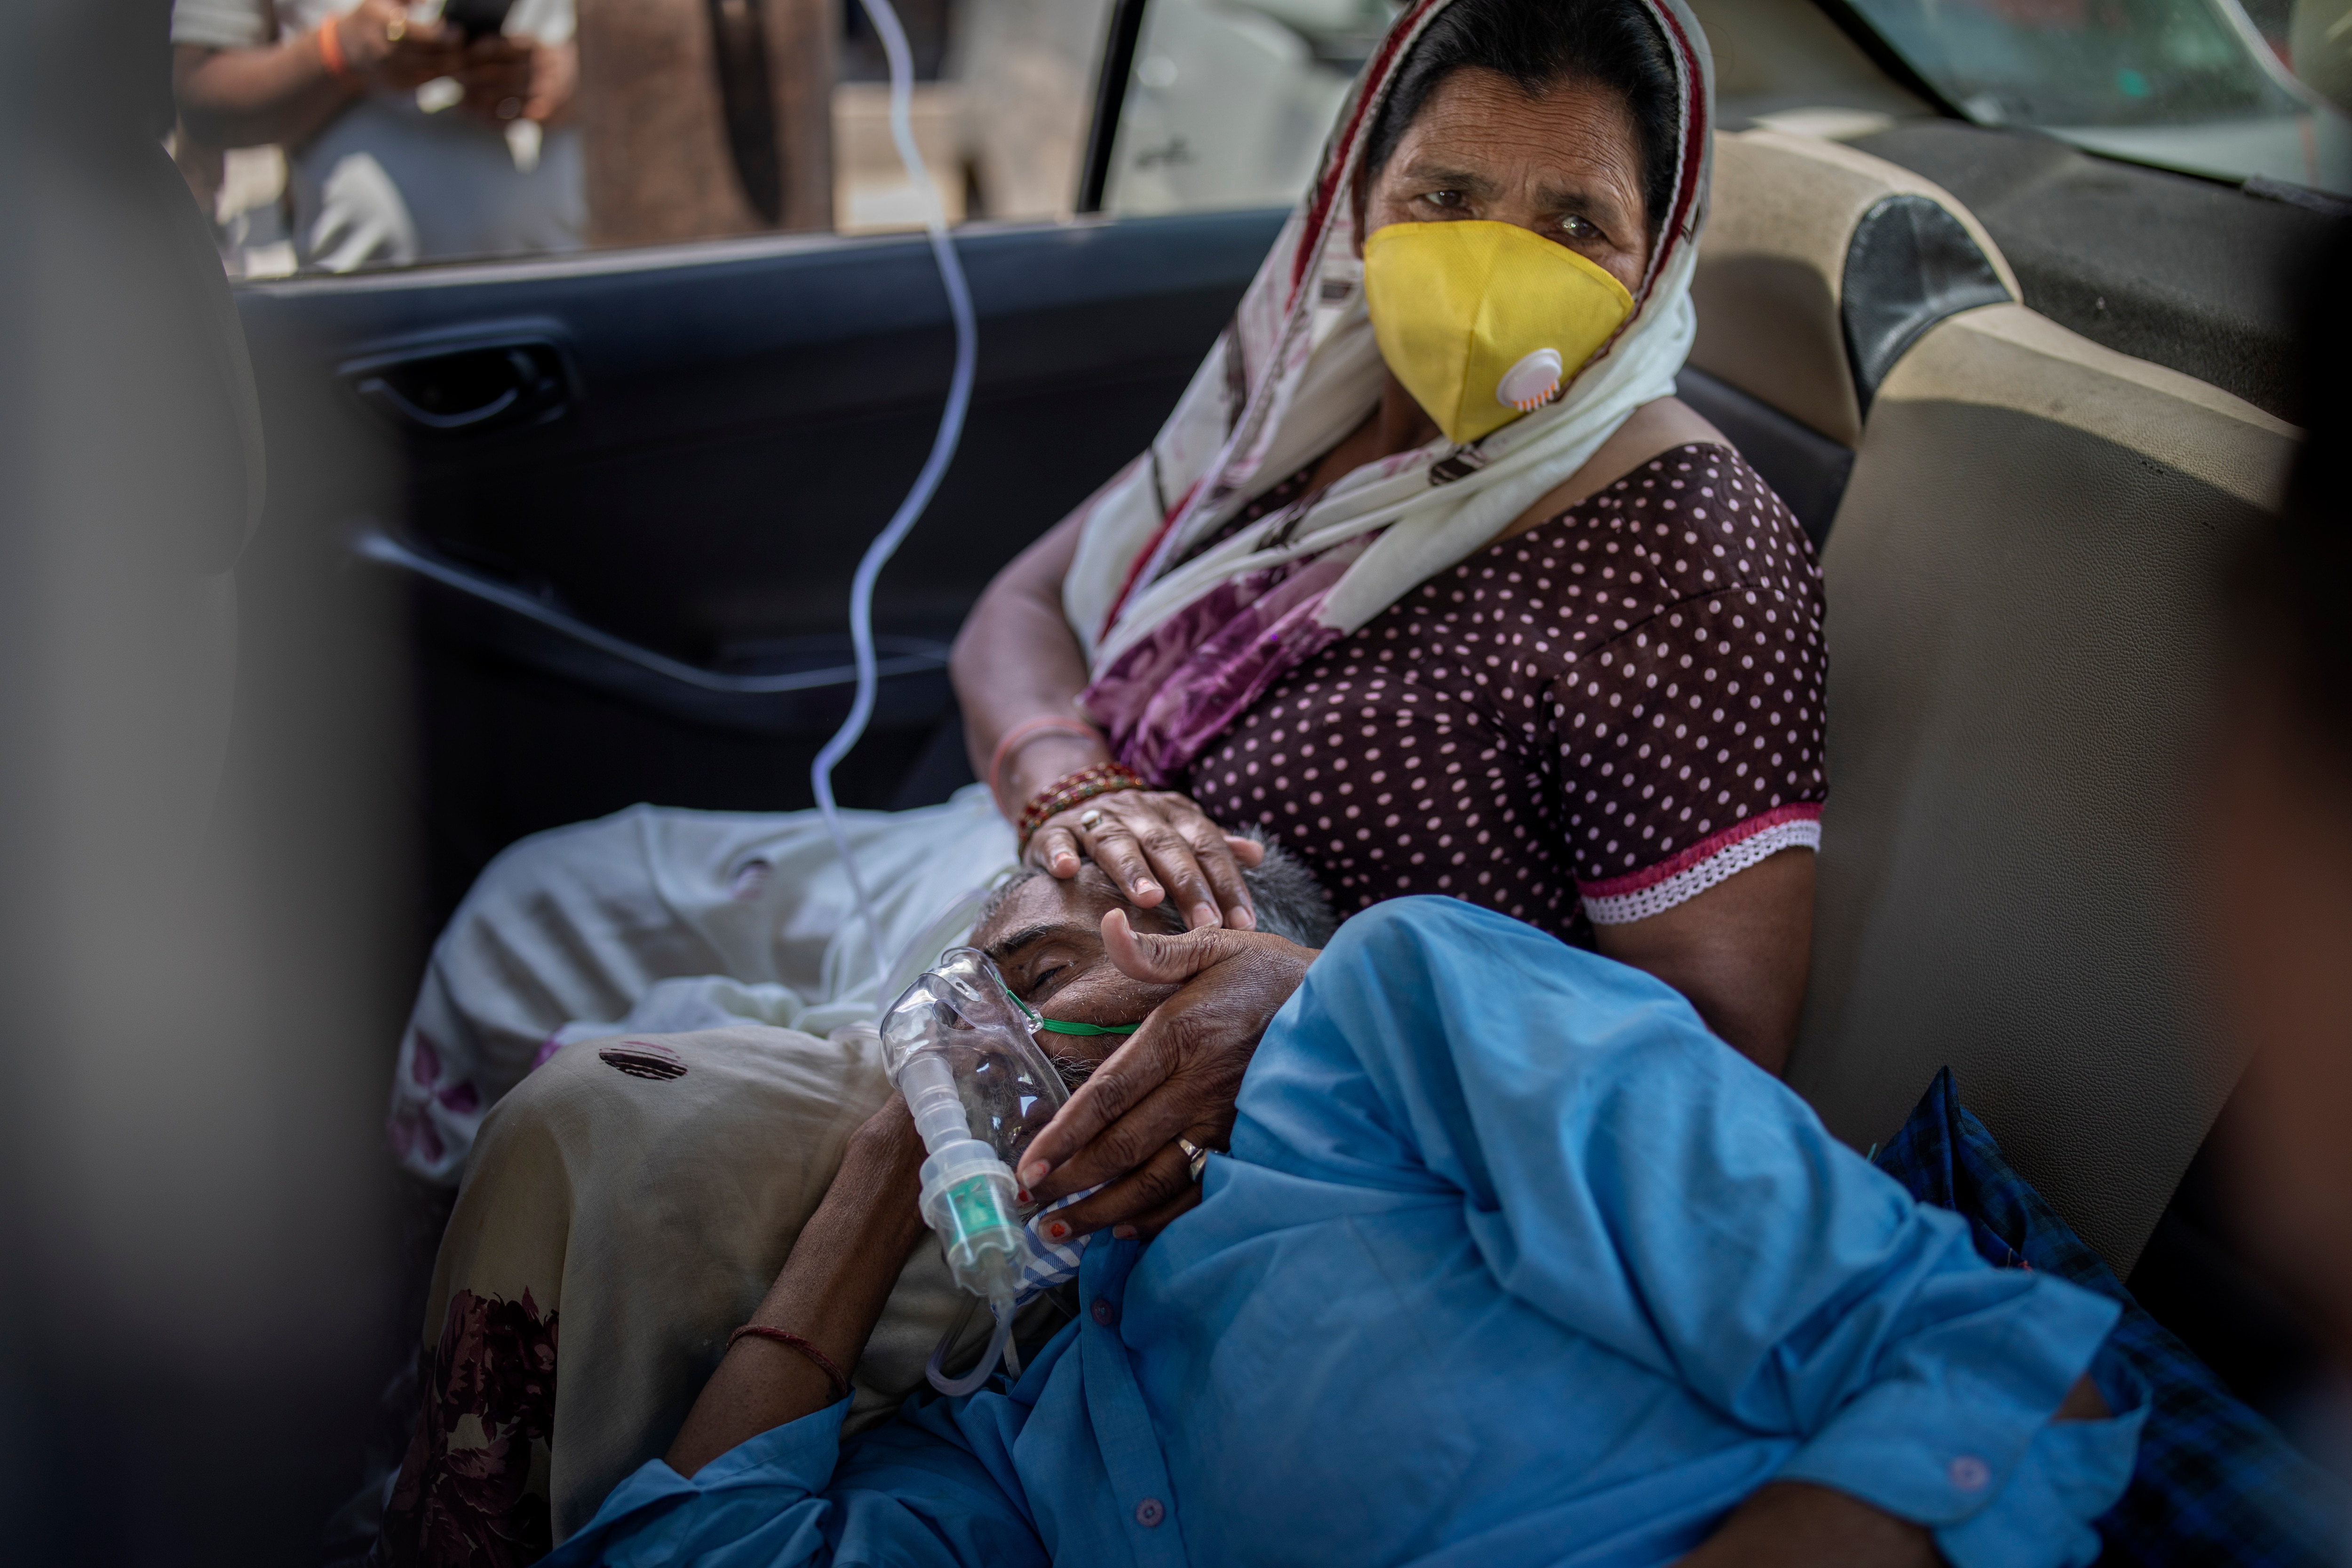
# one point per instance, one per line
(1598, 718)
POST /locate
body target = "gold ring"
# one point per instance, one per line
(396, 29)
(1196, 1156)
(1090, 820)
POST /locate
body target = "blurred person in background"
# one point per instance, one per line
(409, 134)
(2280, 839)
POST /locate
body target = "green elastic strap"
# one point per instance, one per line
(1060, 1025)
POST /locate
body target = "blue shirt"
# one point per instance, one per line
(1512, 1263)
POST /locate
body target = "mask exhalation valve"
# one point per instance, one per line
(1529, 384)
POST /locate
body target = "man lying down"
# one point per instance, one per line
(1511, 1261)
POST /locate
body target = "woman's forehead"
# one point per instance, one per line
(1475, 113)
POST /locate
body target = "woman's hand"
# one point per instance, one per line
(1177, 1076)
(1016, 661)
(1155, 843)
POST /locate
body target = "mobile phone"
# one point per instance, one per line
(477, 18)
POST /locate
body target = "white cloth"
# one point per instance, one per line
(385, 183)
(665, 921)
(1298, 370)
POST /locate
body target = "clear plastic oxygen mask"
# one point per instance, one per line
(959, 1047)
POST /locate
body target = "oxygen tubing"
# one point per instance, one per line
(943, 448)
(1000, 1347)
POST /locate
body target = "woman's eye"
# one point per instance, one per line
(1450, 200)
(1579, 228)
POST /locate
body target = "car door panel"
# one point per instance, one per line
(629, 577)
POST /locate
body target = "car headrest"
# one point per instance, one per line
(1820, 265)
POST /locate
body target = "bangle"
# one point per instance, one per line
(1021, 734)
(330, 53)
(1069, 789)
(823, 1361)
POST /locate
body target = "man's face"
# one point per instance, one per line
(1046, 938)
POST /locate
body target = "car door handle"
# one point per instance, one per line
(454, 389)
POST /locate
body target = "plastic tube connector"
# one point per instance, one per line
(929, 1084)
(968, 1199)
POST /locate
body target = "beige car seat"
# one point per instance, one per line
(1818, 269)
(2021, 631)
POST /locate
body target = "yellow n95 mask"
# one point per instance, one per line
(1480, 321)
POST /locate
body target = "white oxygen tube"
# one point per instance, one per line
(943, 447)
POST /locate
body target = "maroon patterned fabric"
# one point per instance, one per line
(1635, 683)
(467, 1506)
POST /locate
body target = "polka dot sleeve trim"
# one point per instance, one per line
(1655, 889)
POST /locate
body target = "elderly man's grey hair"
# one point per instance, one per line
(1289, 902)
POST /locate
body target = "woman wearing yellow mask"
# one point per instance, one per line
(1428, 575)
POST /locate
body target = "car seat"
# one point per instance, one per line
(2022, 637)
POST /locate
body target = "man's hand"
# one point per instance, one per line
(1176, 1076)
(832, 1291)
(517, 78)
(384, 46)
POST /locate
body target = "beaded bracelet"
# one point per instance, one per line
(817, 1358)
(1069, 789)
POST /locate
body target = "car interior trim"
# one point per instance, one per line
(1909, 265)
(492, 617)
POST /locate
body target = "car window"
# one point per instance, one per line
(2205, 86)
(342, 135)
(1229, 102)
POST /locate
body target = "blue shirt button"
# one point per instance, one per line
(1108, 1314)
(1149, 1514)
(1970, 1473)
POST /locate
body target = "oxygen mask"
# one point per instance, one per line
(958, 1046)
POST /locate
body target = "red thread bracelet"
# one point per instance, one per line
(823, 1361)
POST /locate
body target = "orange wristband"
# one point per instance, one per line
(330, 53)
